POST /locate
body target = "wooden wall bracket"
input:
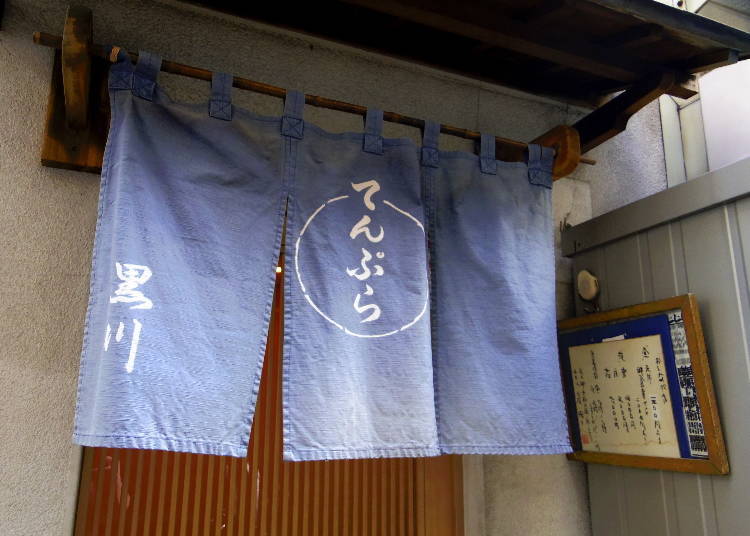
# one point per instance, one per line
(78, 104)
(612, 117)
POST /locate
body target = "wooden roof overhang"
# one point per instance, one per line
(576, 51)
(579, 51)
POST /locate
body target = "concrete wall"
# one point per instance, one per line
(47, 218)
(629, 166)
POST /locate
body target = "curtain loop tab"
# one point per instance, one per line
(220, 104)
(121, 72)
(373, 138)
(487, 161)
(430, 151)
(292, 123)
(541, 160)
(145, 75)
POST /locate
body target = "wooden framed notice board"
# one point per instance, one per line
(638, 388)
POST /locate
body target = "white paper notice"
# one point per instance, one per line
(622, 398)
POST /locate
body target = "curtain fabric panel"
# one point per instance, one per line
(419, 310)
(191, 210)
(357, 359)
(497, 377)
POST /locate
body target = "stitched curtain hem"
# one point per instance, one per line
(240, 451)
(298, 455)
(563, 448)
(162, 443)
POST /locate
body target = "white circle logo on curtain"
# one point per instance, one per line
(360, 264)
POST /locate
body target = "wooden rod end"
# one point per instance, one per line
(567, 144)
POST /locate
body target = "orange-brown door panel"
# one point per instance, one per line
(127, 492)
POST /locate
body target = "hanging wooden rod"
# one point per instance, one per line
(564, 139)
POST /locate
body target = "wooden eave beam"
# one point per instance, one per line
(633, 37)
(630, 38)
(507, 33)
(688, 26)
(711, 60)
(541, 12)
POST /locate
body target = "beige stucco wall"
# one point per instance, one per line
(47, 219)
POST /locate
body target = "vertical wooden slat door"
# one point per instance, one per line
(127, 492)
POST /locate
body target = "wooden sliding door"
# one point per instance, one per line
(128, 492)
